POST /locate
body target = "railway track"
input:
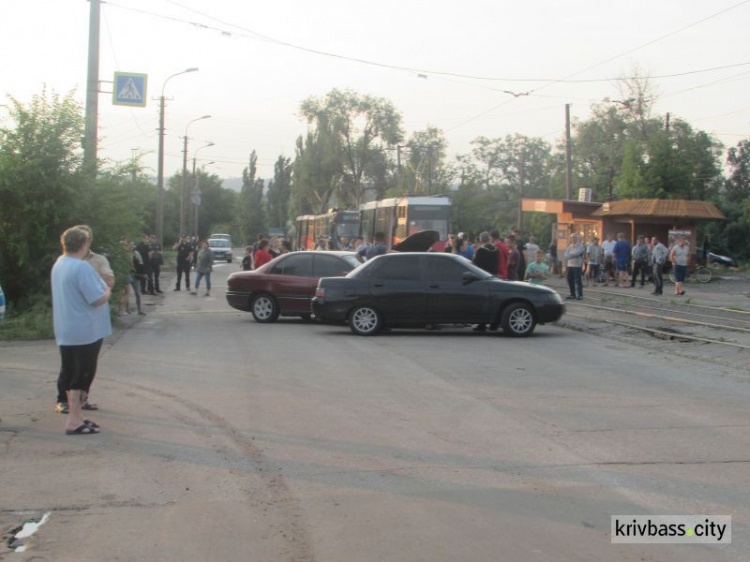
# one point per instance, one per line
(671, 323)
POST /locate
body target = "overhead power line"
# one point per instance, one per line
(251, 34)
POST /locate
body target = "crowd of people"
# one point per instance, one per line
(614, 262)
(82, 282)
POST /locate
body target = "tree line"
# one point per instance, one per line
(355, 150)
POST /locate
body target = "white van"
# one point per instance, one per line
(222, 237)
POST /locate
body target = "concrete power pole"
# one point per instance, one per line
(568, 173)
(92, 93)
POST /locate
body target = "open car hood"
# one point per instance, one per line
(418, 242)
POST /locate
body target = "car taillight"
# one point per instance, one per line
(320, 293)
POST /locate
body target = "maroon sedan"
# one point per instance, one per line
(286, 285)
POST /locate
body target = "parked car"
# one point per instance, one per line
(224, 236)
(721, 260)
(221, 248)
(420, 289)
(286, 285)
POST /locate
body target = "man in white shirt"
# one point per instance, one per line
(609, 259)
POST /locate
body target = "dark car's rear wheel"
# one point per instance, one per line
(265, 309)
(365, 321)
(518, 320)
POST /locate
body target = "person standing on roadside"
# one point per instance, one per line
(146, 279)
(537, 271)
(574, 267)
(610, 273)
(204, 265)
(531, 249)
(593, 261)
(102, 267)
(514, 257)
(80, 313)
(262, 256)
(621, 253)
(659, 257)
(247, 259)
(502, 256)
(485, 257)
(157, 260)
(138, 272)
(679, 256)
(184, 260)
(640, 261)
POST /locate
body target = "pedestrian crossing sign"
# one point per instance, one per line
(129, 89)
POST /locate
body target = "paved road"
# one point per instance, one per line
(224, 439)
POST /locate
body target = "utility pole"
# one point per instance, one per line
(184, 181)
(160, 177)
(568, 173)
(667, 123)
(92, 93)
(522, 179)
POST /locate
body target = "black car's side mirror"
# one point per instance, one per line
(469, 277)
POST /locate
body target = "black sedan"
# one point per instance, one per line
(415, 290)
(285, 285)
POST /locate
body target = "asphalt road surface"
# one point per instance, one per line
(224, 439)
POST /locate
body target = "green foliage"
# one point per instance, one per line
(425, 170)
(598, 148)
(41, 189)
(29, 319)
(495, 177)
(279, 191)
(252, 217)
(345, 153)
(316, 172)
(218, 206)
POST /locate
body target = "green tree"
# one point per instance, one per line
(425, 170)
(630, 183)
(598, 148)
(508, 169)
(731, 237)
(41, 188)
(279, 193)
(359, 129)
(218, 205)
(316, 172)
(252, 213)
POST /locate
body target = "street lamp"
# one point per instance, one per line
(184, 173)
(160, 178)
(197, 188)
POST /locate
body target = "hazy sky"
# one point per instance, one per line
(455, 58)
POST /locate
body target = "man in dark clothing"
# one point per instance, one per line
(486, 257)
(184, 260)
(640, 261)
(147, 280)
(521, 247)
(156, 261)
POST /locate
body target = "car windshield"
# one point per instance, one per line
(218, 243)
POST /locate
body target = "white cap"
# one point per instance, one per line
(461, 235)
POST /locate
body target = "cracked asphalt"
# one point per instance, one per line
(224, 439)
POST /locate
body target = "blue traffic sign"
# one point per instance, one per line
(129, 89)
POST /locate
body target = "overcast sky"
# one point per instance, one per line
(429, 57)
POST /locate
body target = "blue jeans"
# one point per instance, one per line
(198, 277)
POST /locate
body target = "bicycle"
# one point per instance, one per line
(697, 272)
